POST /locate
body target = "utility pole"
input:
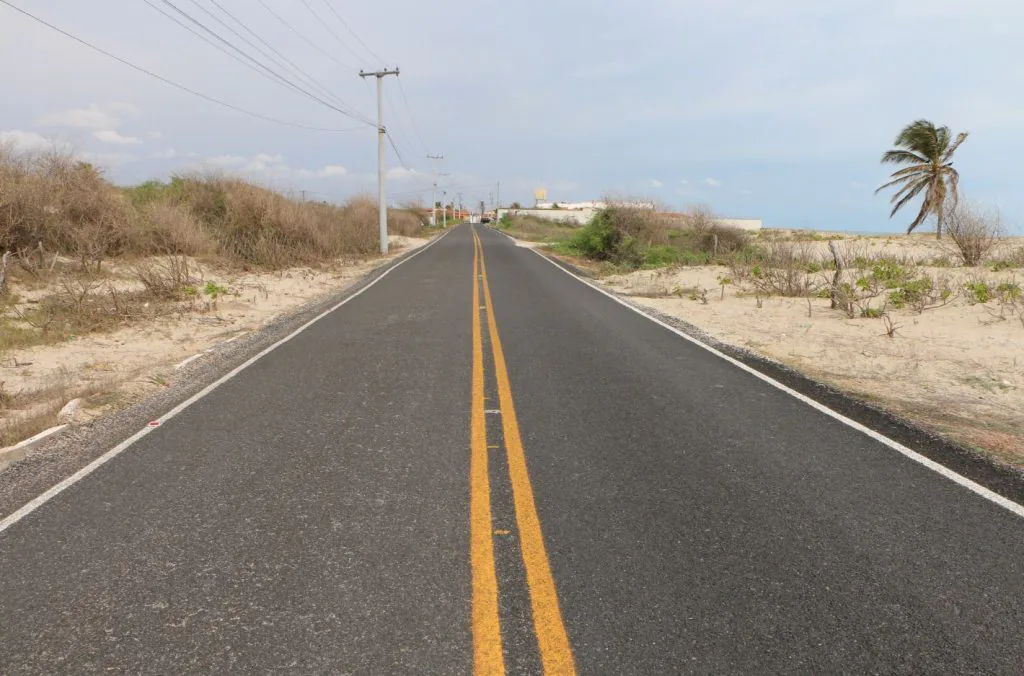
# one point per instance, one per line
(433, 193)
(381, 132)
(444, 207)
(460, 205)
(497, 207)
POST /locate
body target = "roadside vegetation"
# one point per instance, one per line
(82, 256)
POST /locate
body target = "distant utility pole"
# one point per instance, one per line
(444, 207)
(460, 205)
(381, 133)
(433, 193)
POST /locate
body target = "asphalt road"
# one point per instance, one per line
(481, 462)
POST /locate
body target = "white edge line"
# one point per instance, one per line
(59, 488)
(877, 436)
(33, 439)
(188, 361)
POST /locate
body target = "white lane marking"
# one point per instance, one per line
(56, 490)
(877, 436)
(188, 361)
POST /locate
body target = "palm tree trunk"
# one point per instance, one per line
(940, 217)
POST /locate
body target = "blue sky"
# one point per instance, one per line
(759, 108)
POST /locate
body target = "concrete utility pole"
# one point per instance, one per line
(433, 193)
(381, 132)
(444, 207)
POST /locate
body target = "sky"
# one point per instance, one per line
(770, 109)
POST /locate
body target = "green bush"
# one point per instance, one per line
(660, 256)
(979, 291)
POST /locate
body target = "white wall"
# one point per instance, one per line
(742, 223)
(577, 216)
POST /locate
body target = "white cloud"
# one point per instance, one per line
(24, 140)
(271, 166)
(683, 181)
(111, 136)
(655, 183)
(333, 170)
(165, 154)
(400, 173)
(94, 116)
(155, 135)
(108, 158)
(227, 160)
(714, 183)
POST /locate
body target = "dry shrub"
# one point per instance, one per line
(699, 229)
(975, 233)
(784, 271)
(52, 198)
(167, 279)
(262, 228)
(405, 222)
(166, 228)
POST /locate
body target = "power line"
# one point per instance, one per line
(205, 39)
(303, 37)
(397, 152)
(296, 70)
(273, 75)
(330, 30)
(167, 81)
(347, 27)
(401, 132)
(408, 109)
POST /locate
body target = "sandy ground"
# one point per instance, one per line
(957, 369)
(119, 367)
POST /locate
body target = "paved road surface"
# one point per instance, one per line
(503, 468)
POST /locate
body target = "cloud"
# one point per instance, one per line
(24, 140)
(111, 136)
(333, 170)
(108, 158)
(166, 154)
(272, 166)
(94, 116)
(400, 173)
(655, 183)
(683, 181)
(155, 135)
(714, 183)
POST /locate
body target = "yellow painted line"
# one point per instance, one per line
(555, 651)
(487, 652)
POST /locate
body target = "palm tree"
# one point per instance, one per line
(928, 151)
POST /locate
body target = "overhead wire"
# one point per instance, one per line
(296, 70)
(273, 76)
(331, 31)
(397, 151)
(412, 119)
(304, 38)
(168, 81)
(349, 29)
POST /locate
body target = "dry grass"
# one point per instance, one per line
(51, 203)
(974, 233)
(25, 414)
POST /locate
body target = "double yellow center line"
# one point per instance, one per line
(555, 651)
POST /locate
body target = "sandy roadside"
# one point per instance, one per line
(957, 370)
(110, 371)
